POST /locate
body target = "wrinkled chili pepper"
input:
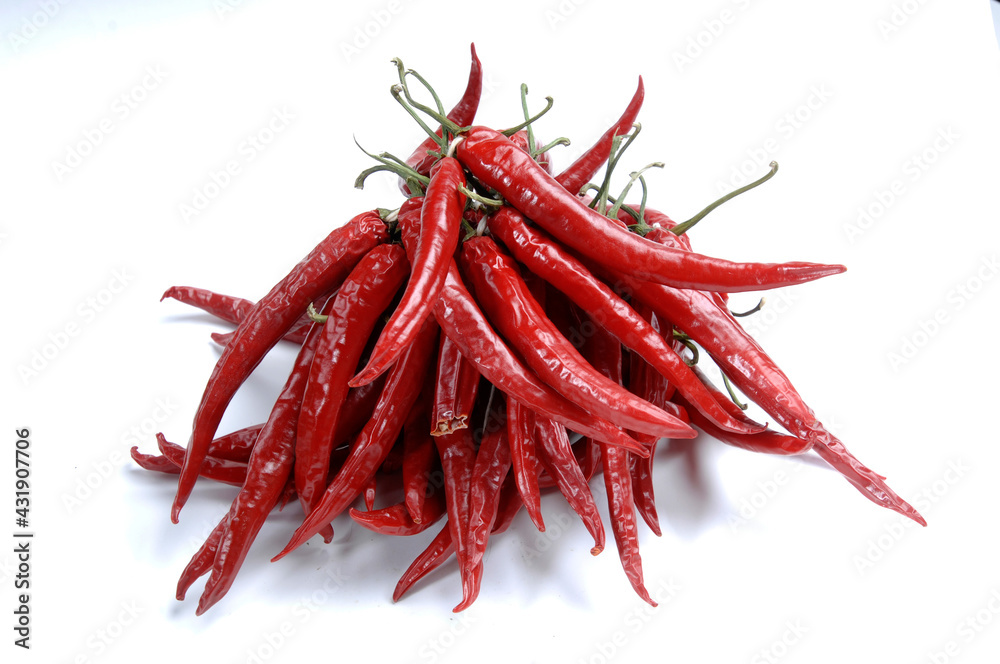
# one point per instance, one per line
(229, 308)
(501, 165)
(319, 272)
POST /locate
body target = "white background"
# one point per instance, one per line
(760, 558)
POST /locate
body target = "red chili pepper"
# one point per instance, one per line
(546, 259)
(419, 460)
(520, 435)
(501, 165)
(356, 308)
(493, 462)
(753, 372)
(369, 449)
(456, 379)
(229, 308)
(504, 296)
(220, 470)
(463, 113)
(319, 272)
(398, 520)
(458, 457)
(580, 172)
(268, 472)
(604, 351)
(201, 561)
(430, 254)
(461, 319)
(556, 455)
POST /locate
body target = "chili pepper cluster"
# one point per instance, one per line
(503, 332)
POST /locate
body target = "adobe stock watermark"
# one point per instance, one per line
(765, 491)
(84, 314)
(91, 478)
(892, 534)
(223, 8)
(608, 648)
(967, 630)
(785, 128)
(911, 171)
(102, 639)
(556, 525)
(711, 30)
(377, 22)
(271, 641)
(121, 108)
(31, 26)
(437, 646)
(956, 300)
(899, 16)
(775, 651)
(247, 151)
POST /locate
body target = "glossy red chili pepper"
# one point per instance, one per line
(753, 372)
(268, 472)
(604, 351)
(501, 165)
(463, 114)
(456, 379)
(493, 462)
(397, 519)
(549, 261)
(580, 172)
(229, 308)
(319, 272)
(201, 561)
(359, 303)
(458, 457)
(402, 388)
(643, 382)
(430, 255)
(419, 462)
(520, 434)
(556, 455)
(442, 546)
(461, 319)
(506, 300)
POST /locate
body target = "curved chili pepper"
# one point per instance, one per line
(463, 113)
(516, 314)
(604, 351)
(764, 442)
(556, 455)
(201, 561)
(155, 462)
(461, 319)
(402, 388)
(546, 259)
(319, 272)
(493, 462)
(268, 472)
(442, 546)
(220, 470)
(580, 172)
(397, 520)
(362, 298)
(458, 457)
(525, 460)
(752, 370)
(230, 309)
(419, 459)
(440, 219)
(498, 163)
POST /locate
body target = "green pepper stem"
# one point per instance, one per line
(398, 91)
(613, 213)
(682, 228)
(315, 316)
(760, 305)
(489, 202)
(513, 130)
(732, 393)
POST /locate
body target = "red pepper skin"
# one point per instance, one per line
(397, 519)
(605, 352)
(229, 308)
(764, 442)
(440, 222)
(319, 272)
(362, 298)
(461, 320)
(581, 171)
(463, 114)
(520, 139)
(268, 472)
(493, 462)
(457, 378)
(220, 470)
(505, 297)
(442, 546)
(752, 370)
(546, 259)
(201, 561)
(369, 450)
(520, 434)
(154, 462)
(419, 459)
(556, 455)
(458, 457)
(498, 163)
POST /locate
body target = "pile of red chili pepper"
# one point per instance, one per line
(503, 332)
